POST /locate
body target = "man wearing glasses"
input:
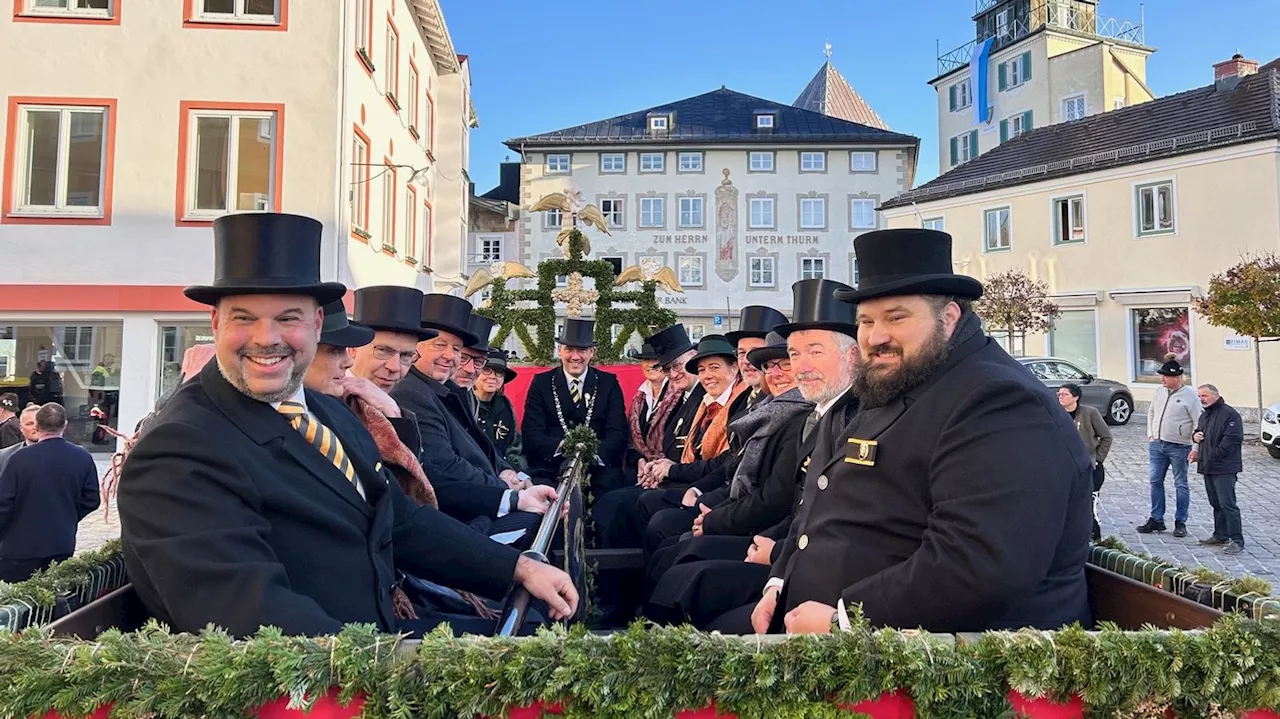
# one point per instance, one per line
(473, 482)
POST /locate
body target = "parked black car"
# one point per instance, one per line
(1113, 399)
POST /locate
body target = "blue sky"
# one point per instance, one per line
(540, 65)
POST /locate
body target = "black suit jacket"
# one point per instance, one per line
(680, 422)
(699, 469)
(458, 458)
(45, 490)
(971, 512)
(229, 516)
(541, 427)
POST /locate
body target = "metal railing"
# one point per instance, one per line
(1204, 137)
(1044, 14)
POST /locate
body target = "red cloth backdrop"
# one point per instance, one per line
(629, 376)
(892, 705)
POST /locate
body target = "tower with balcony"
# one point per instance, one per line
(1034, 63)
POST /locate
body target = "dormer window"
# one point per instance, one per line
(659, 123)
(764, 120)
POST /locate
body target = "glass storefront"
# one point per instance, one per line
(1074, 338)
(1158, 332)
(175, 340)
(76, 365)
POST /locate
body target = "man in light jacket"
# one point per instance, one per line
(1171, 420)
(1219, 436)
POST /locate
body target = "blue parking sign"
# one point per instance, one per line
(718, 320)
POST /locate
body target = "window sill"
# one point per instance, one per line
(1156, 233)
(996, 250)
(233, 24)
(363, 56)
(67, 18)
(389, 250)
(414, 132)
(411, 261)
(360, 233)
(35, 217)
(392, 101)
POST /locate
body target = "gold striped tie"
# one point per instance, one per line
(320, 437)
(575, 391)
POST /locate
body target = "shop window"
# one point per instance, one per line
(1159, 331)
(1075, 338)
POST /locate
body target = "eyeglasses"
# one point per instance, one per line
(783, 365)
(384, 353)
(474, 361)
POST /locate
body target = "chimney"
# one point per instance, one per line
(1228, 73)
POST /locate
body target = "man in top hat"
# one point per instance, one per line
(395, 315)
(457, 456)
(755, 324)
(250, 501)
(575, 394)
(1171, 421)
(957, 500)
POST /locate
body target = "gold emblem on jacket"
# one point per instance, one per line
(501, 430)
(861, 452)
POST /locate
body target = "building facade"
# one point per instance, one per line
(1034, 63)
(738, 195)
(114, 170)
(1126, 222)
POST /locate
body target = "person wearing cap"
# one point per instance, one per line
(957, 499)
(754, 326)
(496, 414)
(250, 501)
(472, 479)
(576, 394)
(10, 429)
(395, 315)
(1171, 421)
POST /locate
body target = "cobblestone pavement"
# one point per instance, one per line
(1125, 503)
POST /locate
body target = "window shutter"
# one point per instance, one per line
(1004, 131)
(1004, 76)
(1026, 121)
(953, 97)
(955, 151)
(973, 144)
(1026, 66)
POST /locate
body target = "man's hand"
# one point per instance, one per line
(659, 468)
(690, 497)
(512, 479)
(371, 394)
(549, 584)
(537, 499)
(703, 510)
(760, 550)
(763, 613)
(810, 618)
(1198, 436)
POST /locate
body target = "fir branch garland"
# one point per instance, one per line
(644, 672)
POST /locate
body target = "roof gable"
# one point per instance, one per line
(721, 116)
(830, 94)
(1191, 121)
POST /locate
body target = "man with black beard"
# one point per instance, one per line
(957, 500)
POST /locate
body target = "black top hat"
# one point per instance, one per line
(498, 359)
(756, 321)
(892, 263)
(449, 314)
(481, 327)
(814, 307)
(266, 253)
(775, 347)
(339, 331)
(578, 333)
(1171, 367)
(392, 308)
(670, 343)
(646, 353)
(711, 346)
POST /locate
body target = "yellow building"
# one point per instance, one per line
(1126, 216)
(1034, 63)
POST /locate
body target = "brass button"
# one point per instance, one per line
(822, 482)
(804, 541)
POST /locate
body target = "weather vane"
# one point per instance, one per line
(826, 50)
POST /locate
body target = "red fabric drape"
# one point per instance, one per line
(629, 376)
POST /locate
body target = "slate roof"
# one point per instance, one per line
(719, 117)
(1193, 121)
(830, 94)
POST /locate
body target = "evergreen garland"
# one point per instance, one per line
(66, 577)
(645, 317)
(645, 672)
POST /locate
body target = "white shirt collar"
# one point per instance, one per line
(823, 408)
(300, 397)
(723, 399)
(569, 378)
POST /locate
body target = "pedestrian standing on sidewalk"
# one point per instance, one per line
(1096, 436)
(1171, 420)
(1219, 437)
